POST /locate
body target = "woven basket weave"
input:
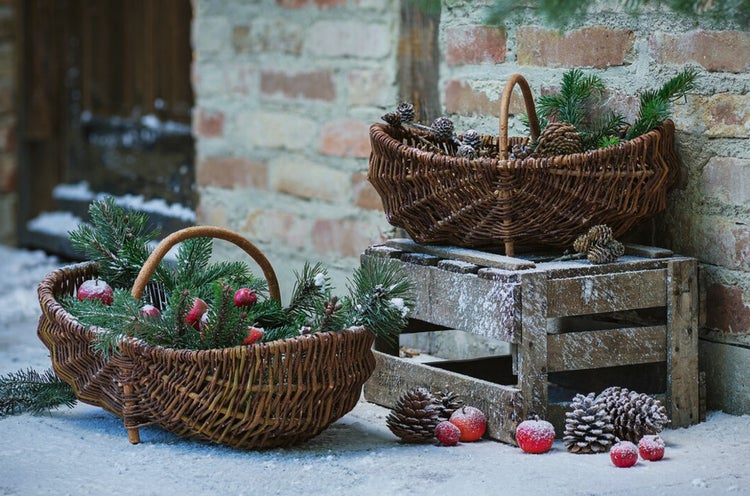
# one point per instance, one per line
(488, 202)
(260, 396)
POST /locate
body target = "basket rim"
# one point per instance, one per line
(48, 301)
(380, 131)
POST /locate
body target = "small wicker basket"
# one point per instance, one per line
(259, 396)
(486, 202)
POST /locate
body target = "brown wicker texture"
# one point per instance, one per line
(255, 397)
(487, 202)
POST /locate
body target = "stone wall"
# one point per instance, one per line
(8, 162)
(285, 91)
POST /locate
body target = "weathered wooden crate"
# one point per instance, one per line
(572, 326)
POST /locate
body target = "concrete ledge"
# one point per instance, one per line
(727, 367)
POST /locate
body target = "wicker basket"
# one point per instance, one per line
(487, 202)
(259, 396)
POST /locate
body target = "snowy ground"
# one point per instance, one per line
(85, 451)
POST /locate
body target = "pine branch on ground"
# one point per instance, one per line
(33, 392)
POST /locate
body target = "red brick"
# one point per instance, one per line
(273, 226)
(727, 179)
(461, 98)
(726, 310)
(595, 46)
(343, 237)
(208, 124)
(316, 85)
(364, 194)
(727, 51)
(231, 173)
(475, 45)
(298, 4)
(345, 138)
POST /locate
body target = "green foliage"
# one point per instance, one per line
(561, 13)
(33, 392)
(572, 104)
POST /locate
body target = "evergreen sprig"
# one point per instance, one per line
(33, 392)
(573, 103)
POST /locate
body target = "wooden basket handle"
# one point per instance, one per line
(528, 100)
(205, 232)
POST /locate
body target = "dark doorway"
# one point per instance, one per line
(105, 97)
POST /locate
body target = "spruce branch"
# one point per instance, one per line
(30, 391)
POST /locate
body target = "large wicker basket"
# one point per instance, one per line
(488, 202)
(259, 396)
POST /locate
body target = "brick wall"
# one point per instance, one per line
(285, 92)
(709, 211)
(8, 163)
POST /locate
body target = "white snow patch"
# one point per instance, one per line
(56, 223)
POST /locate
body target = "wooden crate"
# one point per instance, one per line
(573, 327)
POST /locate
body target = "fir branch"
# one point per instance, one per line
(311, 289)
(380, 298)
(33, 392)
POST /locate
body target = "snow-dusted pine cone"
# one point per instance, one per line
(472, 138)
(442, 128)
(466, 151)
(415, 416)
(634, 414)
(448, 402)
(597, 235)
(406, 111)
(605, 253)
(588, 426)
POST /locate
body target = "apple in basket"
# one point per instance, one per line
(194, 317)
(95, 289)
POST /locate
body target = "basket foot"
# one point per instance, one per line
(509, 249)
(134, 436)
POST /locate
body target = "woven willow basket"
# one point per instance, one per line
(259, 396)
(488, 202)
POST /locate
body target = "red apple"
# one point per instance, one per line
(245, 297)
(470, 421)
(148, 310)
(195, 315)
(253, 334)
(95, 289)
(623, 454)
(535, 436)
(651, 448)
(447, 433)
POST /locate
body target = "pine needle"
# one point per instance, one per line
(33, 392)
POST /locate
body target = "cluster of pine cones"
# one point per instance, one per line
(418, 411)
(594, 422)
(557, 138)
(599, 245)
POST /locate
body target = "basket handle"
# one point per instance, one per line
(205, 232)
(528, 100)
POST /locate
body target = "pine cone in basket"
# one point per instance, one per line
(588, 426)
(415, 416)
(472, 138)
(406, 111)
(442, 128)
(558, 138)
(634, 415)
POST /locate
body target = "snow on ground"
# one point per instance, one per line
(84, 450)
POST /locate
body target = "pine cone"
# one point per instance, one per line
(558, 138)
(634, 415)
(472, 138)
(406, 111)
(415, 416)
(606, 253)
(600, 234)
(392, 118)
(588, 426)
(466, 151)
(448, 402)
(520, 152)
(442, 128)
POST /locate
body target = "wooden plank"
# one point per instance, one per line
(647, 251)
(683, 384)
(393, 376)
(481, 258)
(531, 361)
(606, 348)
(607, 293)
(462, 301)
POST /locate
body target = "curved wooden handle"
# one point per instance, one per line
(205, 232)
(528, 100)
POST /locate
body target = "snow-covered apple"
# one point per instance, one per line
(149, 310)
(447, 433)
(245, 297)
(623, 454)
(254, 334)
(470, 421)
(95, 289)
(535, 435)
(195, 315)
(651, 448)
